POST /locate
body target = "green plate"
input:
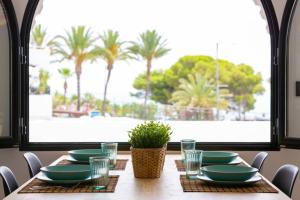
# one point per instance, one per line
(235, 161)
(85, 154)
(67, 172)
(73, 160)
(229, 172)
(44, 178)
(252, 180)
(218, 157)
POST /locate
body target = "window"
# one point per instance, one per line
(93, 74)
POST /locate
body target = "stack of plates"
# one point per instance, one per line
(220, 157)
(65, 174)
(83, 155)
(229, 174)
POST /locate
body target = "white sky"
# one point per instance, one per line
(191, 27)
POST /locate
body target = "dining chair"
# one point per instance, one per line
(10, 183)
(259, 160)
(285, 178)
(33, 162)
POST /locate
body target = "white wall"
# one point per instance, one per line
(279, 7)
(293, 76)
(4, 80)
(19, 6)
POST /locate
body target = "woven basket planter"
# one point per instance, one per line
(148, 163)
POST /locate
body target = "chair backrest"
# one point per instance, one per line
(33, 162)
(285, 178)
(9, 180)
(259, 160)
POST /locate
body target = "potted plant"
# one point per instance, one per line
(148, 148)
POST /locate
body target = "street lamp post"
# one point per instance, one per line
(217, 80)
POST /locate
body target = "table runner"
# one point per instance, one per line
(120, 165)
(200, 186)
(37, 186)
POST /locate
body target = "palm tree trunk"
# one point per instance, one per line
(109, 68)
(65, 91)
(78, 73)
(147, 88)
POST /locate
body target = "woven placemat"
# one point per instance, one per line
(200, 186)
(37, 186)
(179, 165)
(120, 165)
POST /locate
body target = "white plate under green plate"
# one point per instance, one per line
(236, 161)
(252, 180)
(44, 178)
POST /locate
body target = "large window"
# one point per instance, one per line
(98, 68)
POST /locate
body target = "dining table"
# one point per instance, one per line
(167, 187)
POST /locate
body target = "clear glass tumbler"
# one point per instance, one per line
(112, 148)
(193, 163)
(99, 172)
(186, 144)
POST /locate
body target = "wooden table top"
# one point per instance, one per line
(165, 188)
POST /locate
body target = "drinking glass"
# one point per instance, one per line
(112, 148)
(99, 172)
(186, 144)
(193, 163)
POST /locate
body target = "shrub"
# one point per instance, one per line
(150, 135)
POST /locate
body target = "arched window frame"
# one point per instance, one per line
(274, 144)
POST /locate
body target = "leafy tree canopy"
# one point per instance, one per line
(160, 90)
(241, 81)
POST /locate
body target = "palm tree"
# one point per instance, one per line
(196, 91)
(110, 52)
(43, 87)
(75, 45)
(38, 36)
(65, 74)
(149, 46)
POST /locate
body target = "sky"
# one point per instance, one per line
(191, 27)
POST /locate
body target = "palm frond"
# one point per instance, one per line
(149, 45)
(76, 44)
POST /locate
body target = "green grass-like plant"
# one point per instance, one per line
(150, 135)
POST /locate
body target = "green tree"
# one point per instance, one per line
(135, 110)
(161, 91)
(75, 45)
(38, 36)
(59, 99)
(43, 87)
(110, 52)
(195, 91)
(240, 80)
(149, 46)
(65, 74)
(243, 84)
(90, 100)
